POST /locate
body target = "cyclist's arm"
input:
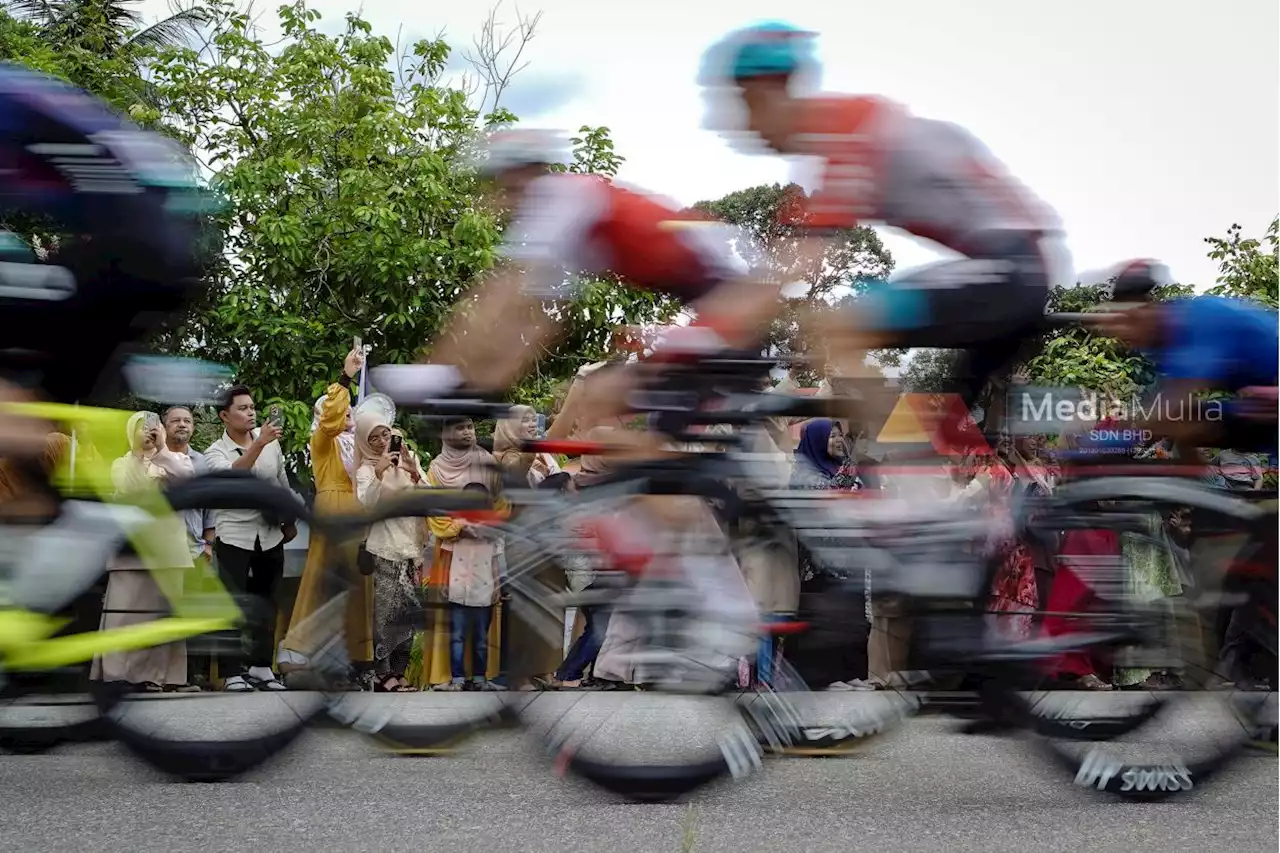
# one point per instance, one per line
(1171, 412)
(740, 310)
(496, 342)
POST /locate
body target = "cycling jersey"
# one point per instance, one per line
(930, 178)
(569, 225)
(1227, 343)
(125, 205)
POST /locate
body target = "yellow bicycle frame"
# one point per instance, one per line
(26, 637)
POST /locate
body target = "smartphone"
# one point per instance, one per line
(150, 421)
(397, 443)
(274, 415)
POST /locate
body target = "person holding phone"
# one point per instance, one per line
(133, 597)
(385, 468)
(333, 468)
(249, 546)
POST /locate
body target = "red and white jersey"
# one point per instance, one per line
(931, 178)
(569, 225)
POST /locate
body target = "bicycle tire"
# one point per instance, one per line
(1134, 781)
(212, 760)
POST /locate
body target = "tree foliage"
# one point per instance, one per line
(851, 262)
(350, 208)
(102, 46)
(1245, 269)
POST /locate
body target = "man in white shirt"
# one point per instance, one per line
(249, 547)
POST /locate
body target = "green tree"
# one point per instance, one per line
(102, 46)
(851, 262)
(349, 208)
(1245, 270)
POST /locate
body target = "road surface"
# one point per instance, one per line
(925, 788)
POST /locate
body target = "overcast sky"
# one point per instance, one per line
(1148, 124)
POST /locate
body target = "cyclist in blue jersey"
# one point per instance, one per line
(1205, 343)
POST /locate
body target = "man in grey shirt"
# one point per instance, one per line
(178, 427)
(249, 547)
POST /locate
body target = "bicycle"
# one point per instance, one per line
(95, 527)
(770, 719)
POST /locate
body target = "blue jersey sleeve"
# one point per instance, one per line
(1199, 348)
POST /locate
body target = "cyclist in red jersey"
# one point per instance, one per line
(929, 178)
(569, 225)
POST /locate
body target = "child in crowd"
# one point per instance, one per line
(475, 578)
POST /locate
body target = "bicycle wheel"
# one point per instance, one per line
(42, 710)
(388, 719)
(1027, 696)
(216, 736)
(1183, 738)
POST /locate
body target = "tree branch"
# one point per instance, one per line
(488, 57)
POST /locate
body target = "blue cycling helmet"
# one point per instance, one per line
(770, 49)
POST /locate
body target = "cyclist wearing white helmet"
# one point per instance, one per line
(929, 178)
(569, 225)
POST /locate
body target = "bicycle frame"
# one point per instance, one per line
(27, 641)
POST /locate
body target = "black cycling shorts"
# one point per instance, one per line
(987, 304)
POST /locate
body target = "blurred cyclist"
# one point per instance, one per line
(1206, 343)
(929, 178)
(119, 212)
(567, 226)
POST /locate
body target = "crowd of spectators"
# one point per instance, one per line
(456, 568)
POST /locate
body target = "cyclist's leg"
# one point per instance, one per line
(984, 304)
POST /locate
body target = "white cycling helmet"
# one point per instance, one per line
(511, 149)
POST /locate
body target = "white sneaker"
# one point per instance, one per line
(840, 687)
(860, 685)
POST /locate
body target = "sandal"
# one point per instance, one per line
(182, 688)
(147, 687)
(266, 685)
(1091, 682)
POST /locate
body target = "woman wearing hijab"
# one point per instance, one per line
(508, 437)
(460, 463)
(820, 458)
(395, 547)
(134, 594)
(333, 452)
(837, 659)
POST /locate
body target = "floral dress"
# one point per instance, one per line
(1014, 596)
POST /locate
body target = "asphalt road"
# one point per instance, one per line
(924, 788)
